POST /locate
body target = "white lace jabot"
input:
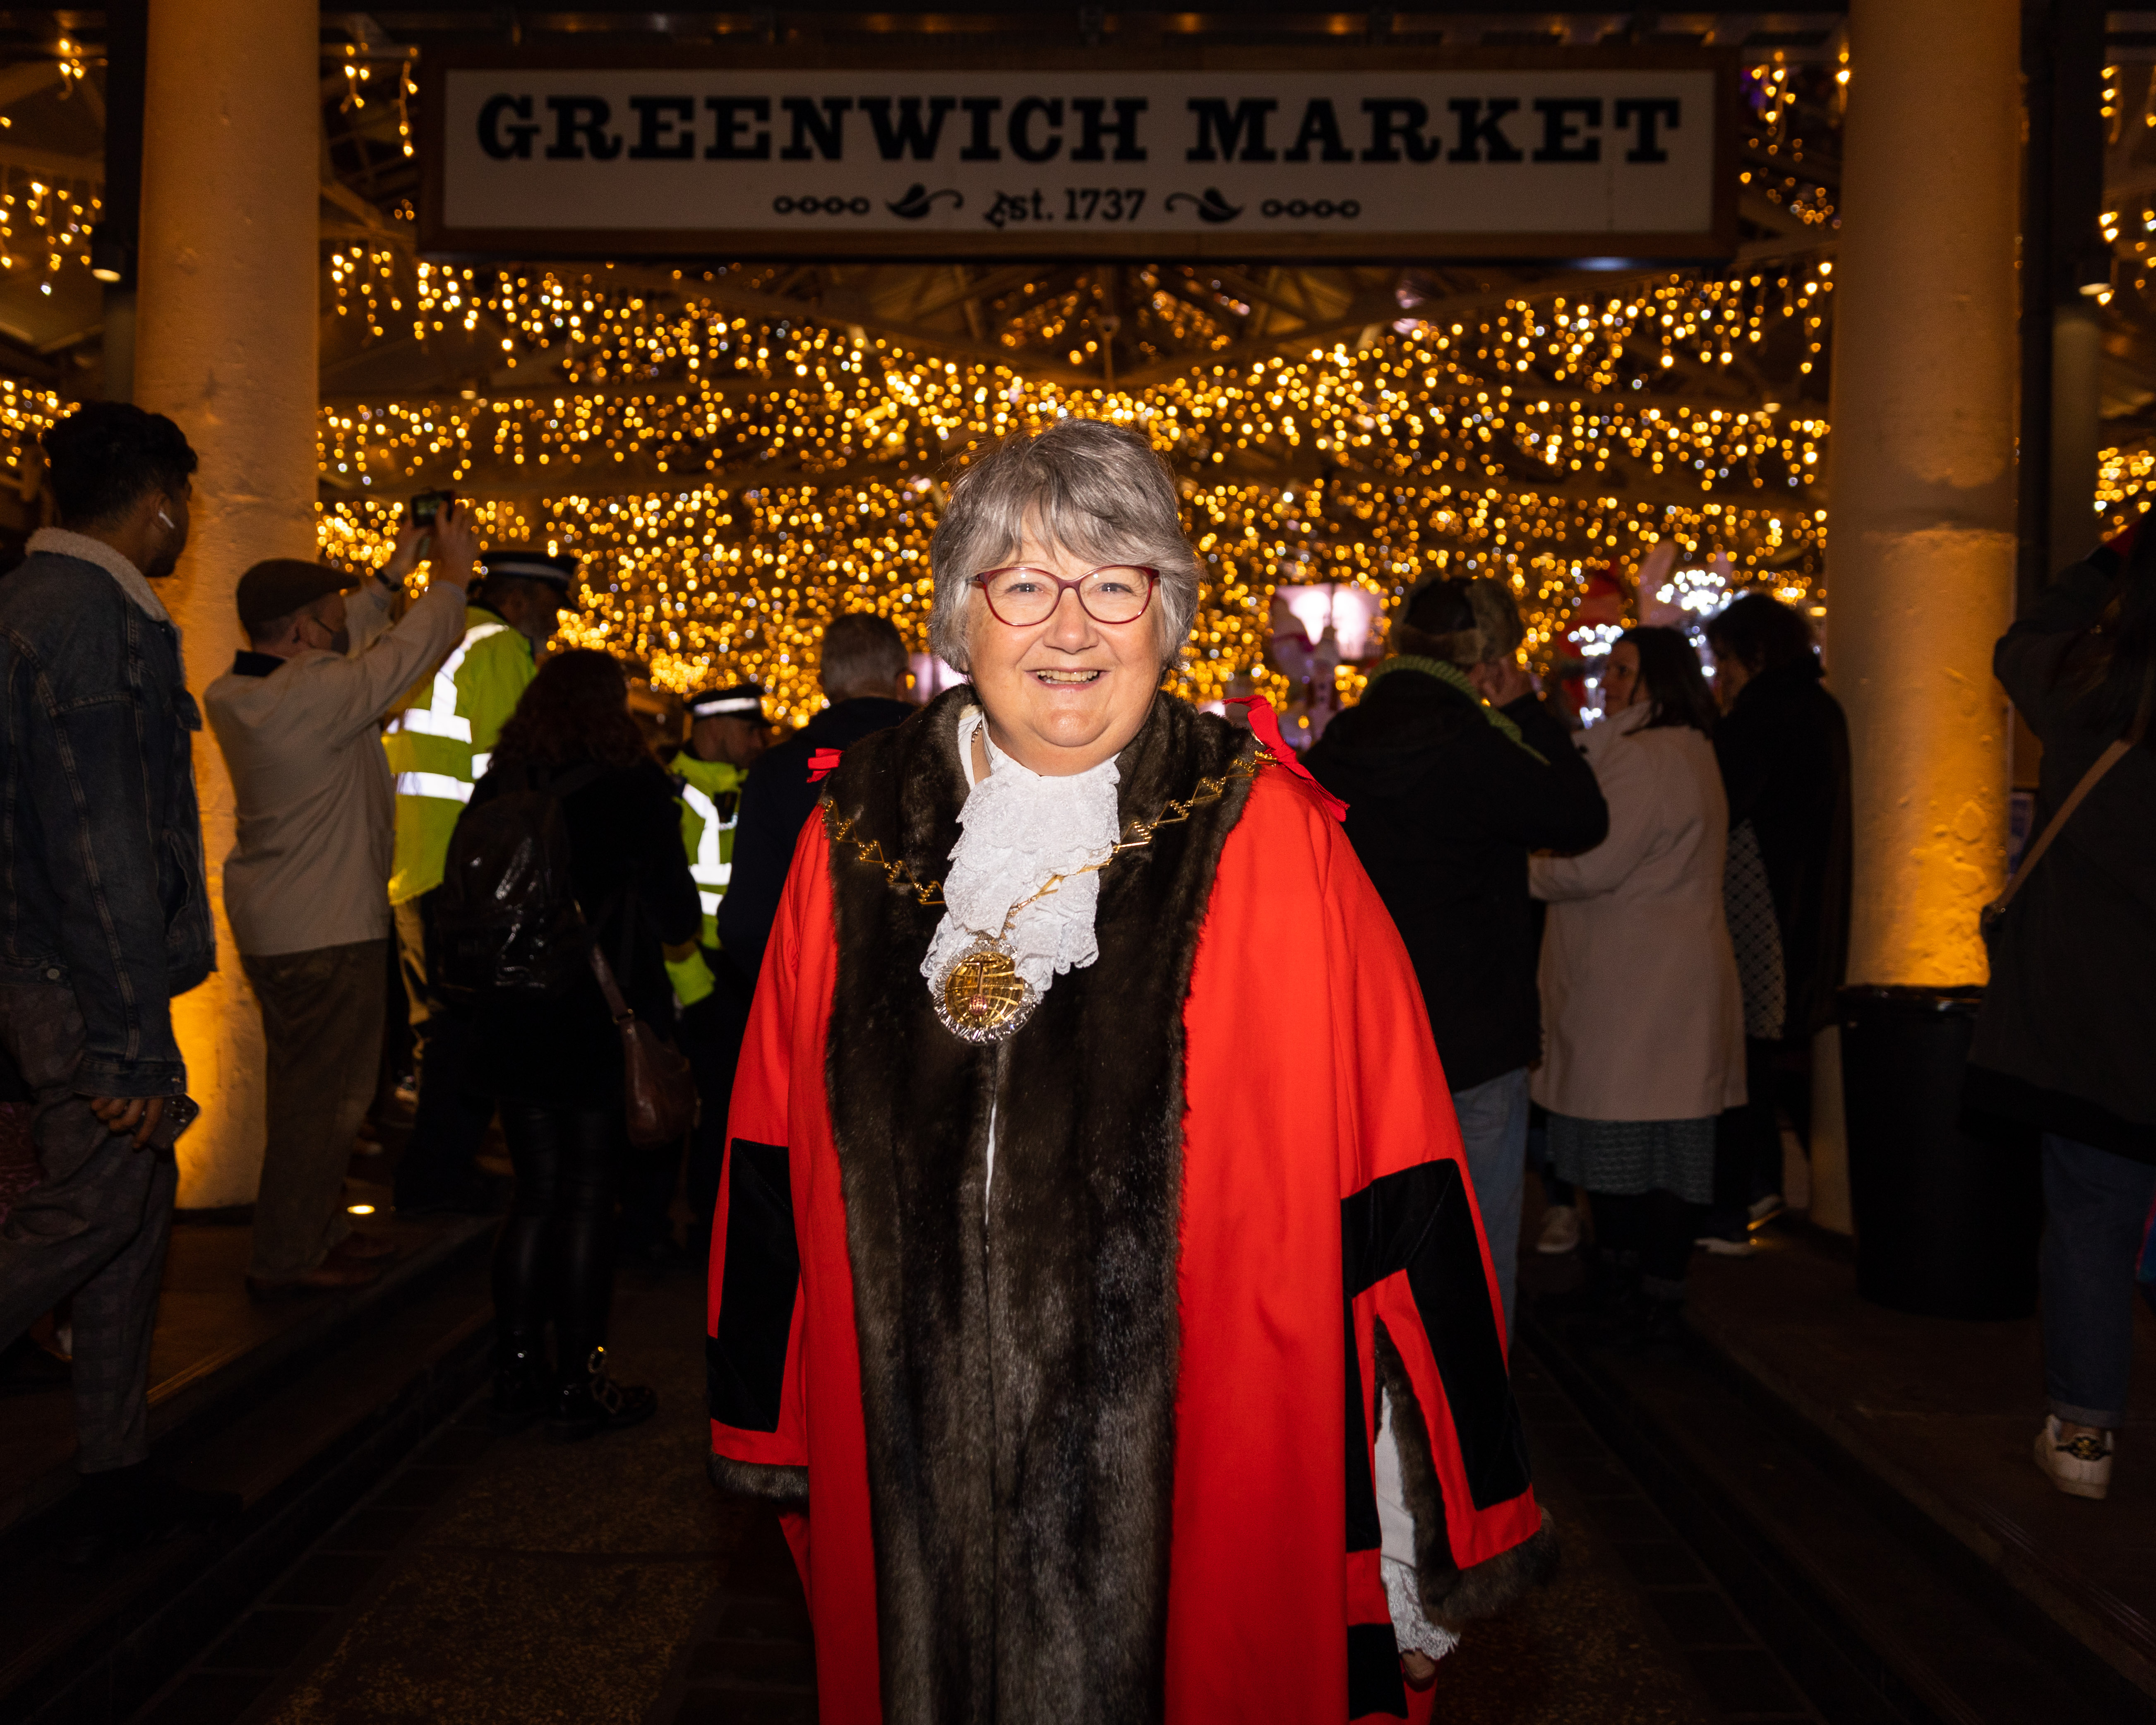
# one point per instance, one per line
(1018, 828)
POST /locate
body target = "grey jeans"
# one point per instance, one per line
(322, 1021)
(1493, 1131)
(95, 1228)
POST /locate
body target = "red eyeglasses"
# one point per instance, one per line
(1024, 597)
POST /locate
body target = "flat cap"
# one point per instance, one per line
(277, 587)
(744, 701)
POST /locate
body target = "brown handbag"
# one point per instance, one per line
(658, 1088)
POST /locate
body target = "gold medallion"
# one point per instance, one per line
(981, 997)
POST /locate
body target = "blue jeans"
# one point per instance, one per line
(1493, 1131)
(2096, 1209)
(95, 1229)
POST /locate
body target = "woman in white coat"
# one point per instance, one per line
(1644, 1021)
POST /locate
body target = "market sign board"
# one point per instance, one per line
(1619, 154)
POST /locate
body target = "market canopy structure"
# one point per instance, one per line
(739, 449)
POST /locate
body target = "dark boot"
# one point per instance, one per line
(1611, 1278)
(523, 1386)
(1655, 1322)
(119, 1511)
(589, 1402)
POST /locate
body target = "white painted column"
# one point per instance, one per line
(1920, 571)
(225, 344)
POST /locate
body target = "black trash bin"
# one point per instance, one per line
(1946, 1219)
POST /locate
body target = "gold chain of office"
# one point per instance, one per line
(980, 996)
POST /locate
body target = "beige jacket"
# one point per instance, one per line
(315, 808)
(1641, 1013)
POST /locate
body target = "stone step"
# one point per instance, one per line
(299, 1406)
(1876, 1613)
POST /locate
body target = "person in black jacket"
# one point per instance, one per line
(863, 672)
(2064, 1039)
(556, 1063)
(1784, 747)
(1453, 771)
(864, 679)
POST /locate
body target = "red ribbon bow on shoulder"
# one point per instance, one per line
(822, 763)
(1266, 723)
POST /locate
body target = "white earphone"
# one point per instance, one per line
(165, 518)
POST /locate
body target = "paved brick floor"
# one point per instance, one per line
(511, 1579)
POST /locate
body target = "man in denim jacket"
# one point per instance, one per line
(104, 919)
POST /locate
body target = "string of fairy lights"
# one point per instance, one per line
(702, 585)
(824, 400)
(2125, 486)
(1774, 154)
(1502, 441)
(1426, 428)
(44, 226)
(46, 220)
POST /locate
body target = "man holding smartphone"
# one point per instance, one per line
(298, 718)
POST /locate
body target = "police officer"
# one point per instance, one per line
(727, 732)
(438, 746)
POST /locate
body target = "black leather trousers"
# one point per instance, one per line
(553, 1262)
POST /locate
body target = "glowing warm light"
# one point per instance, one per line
(732, 481)
(1352, 613)
(733, 478)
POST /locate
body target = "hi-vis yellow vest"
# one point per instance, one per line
(711, 808)
(439, 750)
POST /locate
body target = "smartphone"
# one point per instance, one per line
(422, 508)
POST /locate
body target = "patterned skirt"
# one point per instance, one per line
(1755, 937)
(1630, 1156)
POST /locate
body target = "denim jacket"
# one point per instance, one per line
(102, 885)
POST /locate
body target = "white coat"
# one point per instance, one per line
(1642, 1014)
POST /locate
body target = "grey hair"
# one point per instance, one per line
(1094, 488)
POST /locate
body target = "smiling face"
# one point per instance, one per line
(1063, 696)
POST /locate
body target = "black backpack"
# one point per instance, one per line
(507, 920)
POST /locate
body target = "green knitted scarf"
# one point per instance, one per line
(1460, 679)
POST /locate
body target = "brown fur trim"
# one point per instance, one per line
(1419, 1481)
(1451, 1596)
(1484, 1589)
(1018, 1377)
(786, 1486)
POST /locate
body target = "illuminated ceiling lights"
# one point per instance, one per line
(1442, 446)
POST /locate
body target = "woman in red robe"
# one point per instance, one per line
(1108, 1346)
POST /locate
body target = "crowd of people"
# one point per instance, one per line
(1614, 968)
(359, 725)
(1008, 975)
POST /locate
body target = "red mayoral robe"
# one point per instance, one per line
(1093, 1439)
